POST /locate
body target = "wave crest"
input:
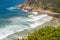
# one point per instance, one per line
(11, 8)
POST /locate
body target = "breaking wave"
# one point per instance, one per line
(11, 8)
(21, 23)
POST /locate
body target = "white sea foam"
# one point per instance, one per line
(10, 29)
(35, 13)
(40, 22)
(17, 24)
(34, 18)
(13, 27)
(25, 10)
(30, 15)
(11, 8)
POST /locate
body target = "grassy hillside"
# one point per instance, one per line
(45, 33)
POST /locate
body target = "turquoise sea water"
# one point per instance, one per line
(7, 10)
(11, 19)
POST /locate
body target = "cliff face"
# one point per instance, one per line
(34, 1)
(52, 3)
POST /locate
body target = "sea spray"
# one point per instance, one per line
(10, 30)
(40, 21)
(17, 24)
(34, 18)
(34, 24)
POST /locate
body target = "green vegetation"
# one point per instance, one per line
(45, 33)
(55, 10)
(52, 5)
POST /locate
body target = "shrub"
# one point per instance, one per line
(45, 33)
(57, 10)
(45, 8)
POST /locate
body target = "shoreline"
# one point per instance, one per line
(41, 11)
(28, 8)
(33, 28)
(45, 24)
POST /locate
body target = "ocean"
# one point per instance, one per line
(13, 20)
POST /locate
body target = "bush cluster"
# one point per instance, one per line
(45, 33)
(57, 10)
